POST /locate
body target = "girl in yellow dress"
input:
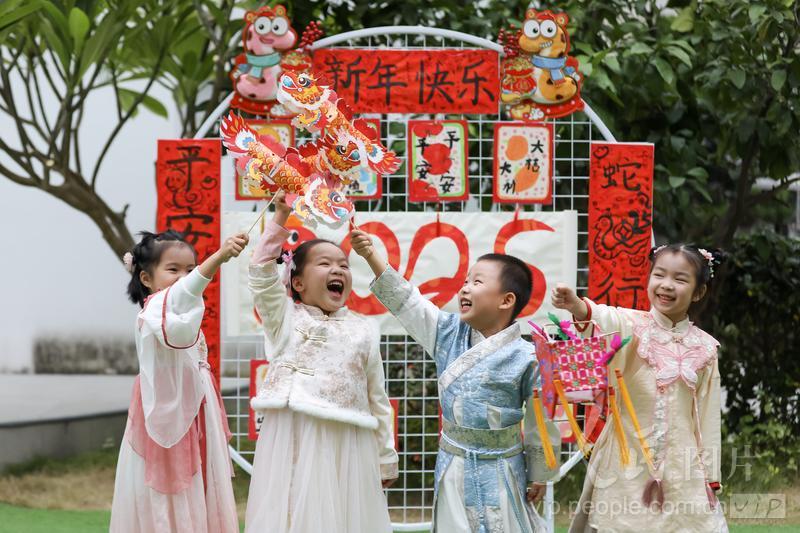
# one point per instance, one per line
(671, 375)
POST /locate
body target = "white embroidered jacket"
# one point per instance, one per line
(326, 366)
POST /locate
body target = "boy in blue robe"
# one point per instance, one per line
(486, 479)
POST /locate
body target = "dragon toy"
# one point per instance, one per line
(320, 110)
(261, 158)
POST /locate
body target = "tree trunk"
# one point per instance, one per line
(78, 193)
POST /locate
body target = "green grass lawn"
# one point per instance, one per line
(23, 520)
(70, 495)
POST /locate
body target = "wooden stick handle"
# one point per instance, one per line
(261, 214)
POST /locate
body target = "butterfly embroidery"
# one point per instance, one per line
(673, 358)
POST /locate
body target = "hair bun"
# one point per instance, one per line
(720, 256)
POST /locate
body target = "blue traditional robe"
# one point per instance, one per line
(484, 385)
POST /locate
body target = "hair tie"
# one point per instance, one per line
(658, 249)
(709, 257)
(127, 260)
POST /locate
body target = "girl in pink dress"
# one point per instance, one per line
(174, 471)
(671, 374)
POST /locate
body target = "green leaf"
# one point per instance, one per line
(682, 44)
(699, 173)
(55, 44)
(737, 77)
(78, 25)
(700, 188)
(100, 42)
(778, 79)
(612, 62)
(676, 181)
(128, 98)
(586, 66)
(684, 22)
(155, 106)
(755, 12)
(665, 70)
(9, 18)
(640, 48)
(680, 54)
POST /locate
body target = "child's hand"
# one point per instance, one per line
(282, 209)
(386, 483)
(564, 297)
(233, 246)
(536, 492)
(362, 243)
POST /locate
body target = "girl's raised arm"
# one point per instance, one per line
(174, 315)
(269, 292)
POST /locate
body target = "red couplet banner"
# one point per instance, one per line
(620, 223)
(188, 185)
(413, 81)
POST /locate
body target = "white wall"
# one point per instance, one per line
(57, 275)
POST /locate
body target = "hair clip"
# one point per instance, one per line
(288, 264)
(709, 257)
(656, 250)
(127, 260)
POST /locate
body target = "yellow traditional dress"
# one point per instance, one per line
(672, 377)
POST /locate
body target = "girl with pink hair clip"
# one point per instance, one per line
(669, 372)
(325, 448)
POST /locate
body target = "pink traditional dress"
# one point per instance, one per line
(174, 471)
(672, 375)
(326, 439)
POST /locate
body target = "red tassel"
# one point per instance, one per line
(653, 492)
(712, 497)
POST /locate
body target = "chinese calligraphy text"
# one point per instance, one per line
(620, 222)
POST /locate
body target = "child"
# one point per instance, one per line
(174, 471)
(325, 444)
(670, 370)
(486, 372)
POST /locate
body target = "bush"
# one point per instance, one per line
(85, 355)
(757, 322)
(761, 456)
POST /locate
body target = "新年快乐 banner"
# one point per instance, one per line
(412, 81)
